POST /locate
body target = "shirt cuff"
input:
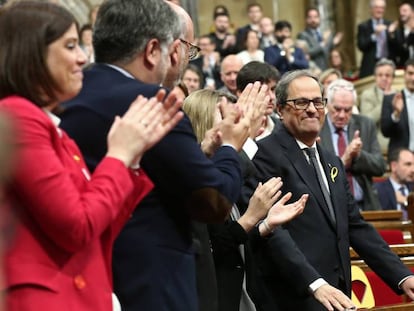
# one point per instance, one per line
(403, 280)
(316, 284)
(250, 148)
(394, 119)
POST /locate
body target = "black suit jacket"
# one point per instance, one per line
(398, 132)
(367, 47)
(153, 261)
(369, 163)
(311, 246)
(400, 46)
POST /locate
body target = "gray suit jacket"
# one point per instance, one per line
(370, 105)
(369, 163)
(317, 53)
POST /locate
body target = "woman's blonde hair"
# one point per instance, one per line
(200, 106)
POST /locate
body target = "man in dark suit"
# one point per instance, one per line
(401, 37)
(372, 38)
(153, 266)
(393, 192)
(254, 13)
(353, 138)
(397, 114)
(305, 264)
(284, 55)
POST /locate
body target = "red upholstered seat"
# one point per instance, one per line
(392, 236)
(382, 293)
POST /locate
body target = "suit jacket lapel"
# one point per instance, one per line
(303, 168)
(328, 164)
(352, 127)
(326, 136)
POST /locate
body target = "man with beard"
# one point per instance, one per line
(401, 36)
(284, 55)
(320, 44)
(153, 259)
(393, 192)
(225, 42)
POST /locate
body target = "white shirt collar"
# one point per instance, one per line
(123, 71)
(55, 119)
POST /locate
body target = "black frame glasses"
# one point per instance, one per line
(193, 50)
(303, 103)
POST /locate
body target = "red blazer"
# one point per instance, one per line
(60, 258)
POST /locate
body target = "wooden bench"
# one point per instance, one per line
(390, 220)
(397, 307)
(404, 251)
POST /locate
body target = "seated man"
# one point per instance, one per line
(393, 192)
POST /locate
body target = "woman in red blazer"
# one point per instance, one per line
(60, 258)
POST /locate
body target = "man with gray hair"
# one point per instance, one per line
(305, 263)
(370, 103)
(372, 38)
(153, 259)
(353, 138)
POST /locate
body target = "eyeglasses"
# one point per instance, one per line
(303, 103)
(193, 50)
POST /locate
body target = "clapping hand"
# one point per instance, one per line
(145, 123)
(282, 212)
(261, 201)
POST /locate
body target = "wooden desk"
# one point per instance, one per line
(381, 215)
(404, 251)
(397, 307)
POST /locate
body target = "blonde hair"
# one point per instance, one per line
(200, 106)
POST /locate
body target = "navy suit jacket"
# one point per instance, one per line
(153, 260)
(273, 57)
(398, 132)
(386, 194)
(311, 246)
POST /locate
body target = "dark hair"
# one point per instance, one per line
(246, 36)
(84, 28)
(221, 14)
(409, 62)
(197, 71)
(27, 28)
(282, 88)
(280, 25)
(124, 27)
(220, 9)
(394, 155)
(311, 9)
(256, 71)
(252, 5)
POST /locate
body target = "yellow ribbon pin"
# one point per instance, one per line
(334, 173)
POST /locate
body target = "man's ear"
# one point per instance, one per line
(152, 52)
(175, 53)
(279, 111)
